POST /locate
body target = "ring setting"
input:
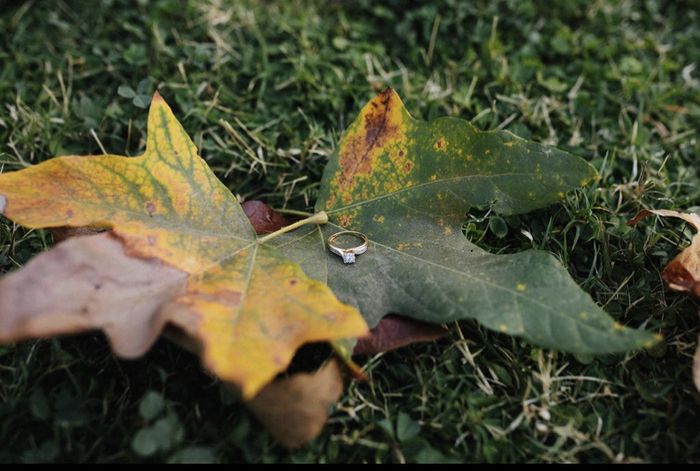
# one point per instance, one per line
(348, 254)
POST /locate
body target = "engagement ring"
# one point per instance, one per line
(348, 254)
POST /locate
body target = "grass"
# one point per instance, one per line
(266, 88)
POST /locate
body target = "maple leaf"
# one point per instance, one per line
(248, 306)
(407, 185)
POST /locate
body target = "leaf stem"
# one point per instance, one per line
(318, 218)
(293, 212)
(343, 349)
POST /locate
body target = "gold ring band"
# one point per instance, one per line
(348, 255)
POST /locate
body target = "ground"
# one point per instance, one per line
(266, 89)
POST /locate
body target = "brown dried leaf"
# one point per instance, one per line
(394, 332)
(263, 218)
(89, 283)
(294, 409)
(683, 272)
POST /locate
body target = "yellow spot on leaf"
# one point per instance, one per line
(521, 287)
(344, 220)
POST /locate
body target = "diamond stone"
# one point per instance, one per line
(348, 257)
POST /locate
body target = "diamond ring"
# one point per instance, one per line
(348, 254)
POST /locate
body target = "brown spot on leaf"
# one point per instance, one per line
(151, 240)
(344, 220)
(151, 208)
(69, 213)
(356, 155)
(408, 166)
(332, 200)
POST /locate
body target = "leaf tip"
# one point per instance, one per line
(157, 97)
(389, 95)
(388, 92)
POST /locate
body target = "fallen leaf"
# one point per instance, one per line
(88, 283)
(247, 305)
(683, 272)
(407, 185)
(104, 276)
(394, 332)
(263, 218)
(294, 409)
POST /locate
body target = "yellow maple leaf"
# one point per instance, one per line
(247, 306)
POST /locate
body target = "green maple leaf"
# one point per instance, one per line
(407, 185)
